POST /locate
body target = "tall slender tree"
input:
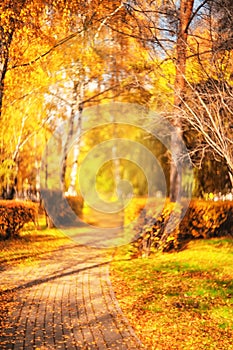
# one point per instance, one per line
(185, 15)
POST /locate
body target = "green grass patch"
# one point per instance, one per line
(179, 300)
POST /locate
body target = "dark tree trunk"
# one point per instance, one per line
(185, 14)
(6, 37)
(2, 79)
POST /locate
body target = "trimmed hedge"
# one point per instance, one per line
(14, 215)
(206, 219)
(203, 219)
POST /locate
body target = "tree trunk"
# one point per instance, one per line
(3, 70)
(73, 175)
(70, 132)
(186, 8)
(176, 164)
(230, 173)
(6, 37)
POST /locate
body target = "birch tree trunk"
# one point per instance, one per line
(76, 150)
(74, 130)
(70, 132)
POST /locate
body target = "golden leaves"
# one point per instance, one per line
(14, 215)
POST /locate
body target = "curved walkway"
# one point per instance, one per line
(65, 302)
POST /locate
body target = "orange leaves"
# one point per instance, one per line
(14, 215)
(203, 219)
(207, 219)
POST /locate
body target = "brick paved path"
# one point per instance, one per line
(66, 302)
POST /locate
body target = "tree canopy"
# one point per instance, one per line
(59, 57)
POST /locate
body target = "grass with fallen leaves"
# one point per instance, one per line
(31, 244)
(179, 300)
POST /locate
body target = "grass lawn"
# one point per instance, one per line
(179, 300)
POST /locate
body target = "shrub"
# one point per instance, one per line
(203, 219)
(14, 215)
(206, 219)
(151, 229)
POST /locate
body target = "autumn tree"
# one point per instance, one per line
(208, 104)
(164, 27)
(222, 24)
(99, 74)
(197, 38)
(30, 32)
(167, 55)
(19, 19)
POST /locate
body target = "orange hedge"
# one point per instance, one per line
(206, 219)
(14, 215)
(203, 219)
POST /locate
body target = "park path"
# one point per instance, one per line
(65, 302)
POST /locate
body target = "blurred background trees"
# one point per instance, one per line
(59, 57)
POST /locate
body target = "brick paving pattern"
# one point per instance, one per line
(65, 302)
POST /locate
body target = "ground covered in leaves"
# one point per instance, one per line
(30, 245)
(179, 300)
